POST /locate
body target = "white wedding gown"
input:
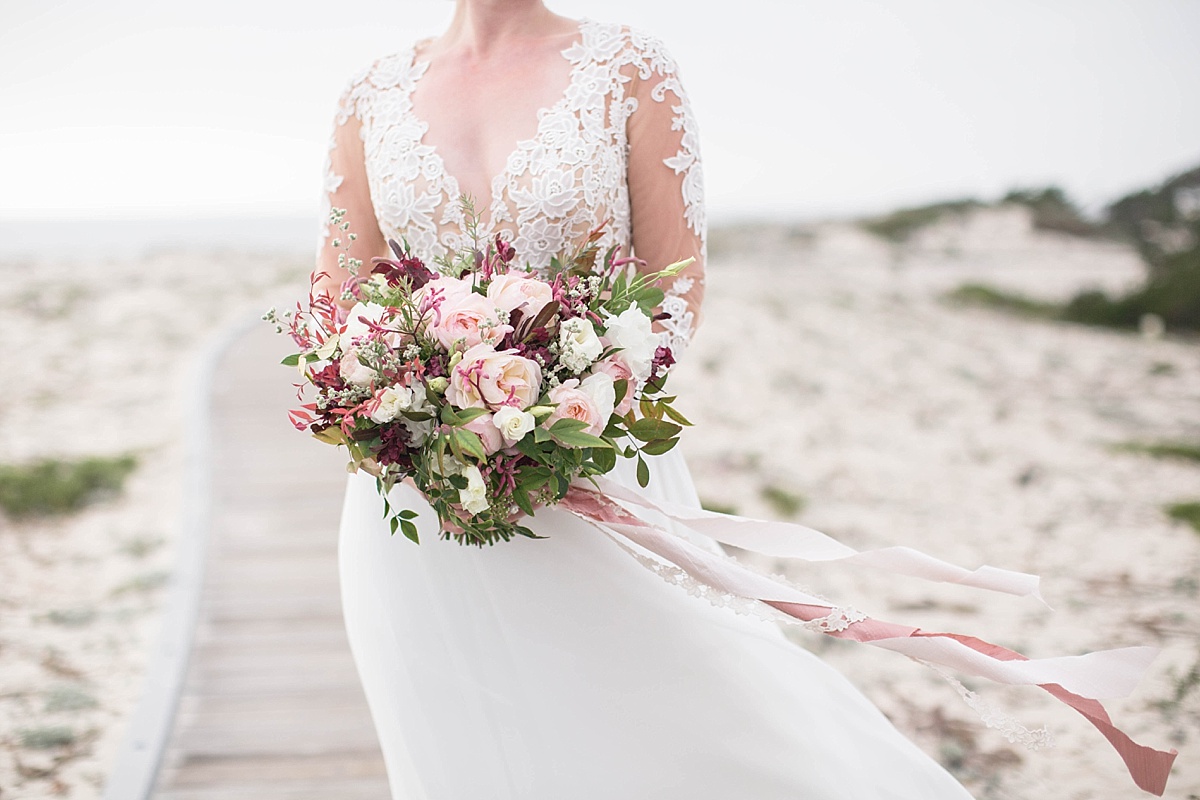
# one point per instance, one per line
(563, 669)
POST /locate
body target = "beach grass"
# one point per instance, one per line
(52, 487)
(1184, 451)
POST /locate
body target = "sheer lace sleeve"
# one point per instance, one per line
(666, 187)
(346, 188)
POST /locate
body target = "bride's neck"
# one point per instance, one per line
(482, 27)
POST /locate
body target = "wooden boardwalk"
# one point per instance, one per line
(272, 708)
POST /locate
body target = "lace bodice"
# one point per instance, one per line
(619, 146)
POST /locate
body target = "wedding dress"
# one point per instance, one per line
(563, 668)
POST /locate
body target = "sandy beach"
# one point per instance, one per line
(885, 414)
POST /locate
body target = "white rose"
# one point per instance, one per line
(579, 345)
(513, 424)
(600, 388)
(392, 401)
(630, 330)
(473, 499)
(354, 371)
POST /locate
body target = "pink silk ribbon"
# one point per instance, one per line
(1078, 681)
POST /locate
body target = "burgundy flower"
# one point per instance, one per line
(504, 250)
(663, 358)
(394, 442)
(404, 267)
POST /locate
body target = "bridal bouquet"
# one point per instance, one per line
(488, 386)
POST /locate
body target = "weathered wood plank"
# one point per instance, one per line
(272, 708)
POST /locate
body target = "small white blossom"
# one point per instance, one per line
(579, 344)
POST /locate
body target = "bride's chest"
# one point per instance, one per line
(541, 171)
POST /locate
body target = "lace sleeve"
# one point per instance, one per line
(346, 188)
(666, 187)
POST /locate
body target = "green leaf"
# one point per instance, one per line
(469, 414)
(675, 415)
(455, 447)
(448, 415)
(393, 523)
(605, 459)
(410, 531)
(523, 502)
(560, 485)
(470, 443)
(569, 432)
(293, 360)
(540, 434)
(620, 388)
(643, 473)
(659, 446)
(528, 447)
(647, 430)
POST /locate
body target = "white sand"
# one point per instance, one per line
(973, 435)
(97, 357)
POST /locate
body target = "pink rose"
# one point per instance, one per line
(488, 432)
(485, 378)
(438, 293)
(354, 371)
(616, 368)
(470, 317)
(574, 402)
(512, 290)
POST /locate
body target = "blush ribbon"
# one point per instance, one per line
(1078, 681)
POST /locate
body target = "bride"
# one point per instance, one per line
(562, 668)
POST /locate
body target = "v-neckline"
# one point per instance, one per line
(453, 188)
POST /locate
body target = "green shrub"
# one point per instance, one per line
(1053, 211)
(784, 503)
(1188, 512)
(977, 294)
(46, 737)
(1171, 293)
(51, 486)
(899, 225)
(69, 698)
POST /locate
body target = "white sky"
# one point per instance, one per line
(135, 108)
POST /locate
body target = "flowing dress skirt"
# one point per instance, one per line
(562, 669)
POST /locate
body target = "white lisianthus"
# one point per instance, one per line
(473, 498)
(630, 330)
(392, 401)
(600, 388)
(513, 424)
(578, 343)
(355, 327)
(418, 432)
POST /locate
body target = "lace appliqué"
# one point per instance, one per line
(1005, 724)
(838, 619)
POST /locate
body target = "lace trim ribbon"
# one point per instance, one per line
(1078, 681)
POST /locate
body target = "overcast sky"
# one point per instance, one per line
(134, 108)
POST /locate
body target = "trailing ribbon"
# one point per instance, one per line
(1078, 681)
